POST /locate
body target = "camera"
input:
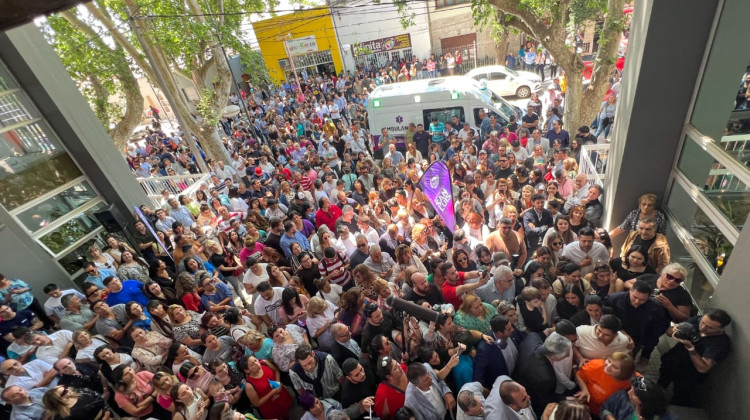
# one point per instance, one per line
(656, 292)
(686, 331)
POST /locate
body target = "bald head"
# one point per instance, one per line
(12, 367)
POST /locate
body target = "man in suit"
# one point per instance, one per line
(534, 370)
(427, 395)
(507, 400)
(498, 358)
(390, 240)
(344, 347)
(536, 222)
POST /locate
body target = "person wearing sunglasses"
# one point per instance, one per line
(675, 299)
(67, 403)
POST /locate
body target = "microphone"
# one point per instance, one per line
(417, 311)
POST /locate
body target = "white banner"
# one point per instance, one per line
(302, 45)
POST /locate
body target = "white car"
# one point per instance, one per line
(506, 82)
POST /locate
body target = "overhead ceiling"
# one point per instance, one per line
(18, 12)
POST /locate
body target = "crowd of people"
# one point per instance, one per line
(271, 291)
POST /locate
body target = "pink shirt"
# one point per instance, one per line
(245, 253)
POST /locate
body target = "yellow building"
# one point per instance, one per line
(310, 39)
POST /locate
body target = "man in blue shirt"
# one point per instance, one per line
(291, 235)
(124, 292)
(97, 275)
(27, 405)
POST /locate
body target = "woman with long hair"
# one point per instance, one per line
(632, 265)
(264, 390)
(187, 291)
(562, 226)
(64, 402)
(577, 219)
(353, 311)
(186, 327)
(162, 383)
(276, 276)
(293, 307)
(189, 403)
(160, 321)
(132, 267)
(364, 279)
(555, 243)
(320, 316)
(286, 339)
(462, 261)
(159, 272)
(405, 258)
(571, 302)
(150, 348)
(137, 316)
(134, 393)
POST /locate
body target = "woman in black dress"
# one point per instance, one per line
(633, 265)
(67, 403)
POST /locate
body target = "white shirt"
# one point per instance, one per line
(270, 307)
(598, 254)
(251, 278)
(51, 353)
(53, 306)
(591, 348)
(35, 371)
(349, 245)
(436, 399)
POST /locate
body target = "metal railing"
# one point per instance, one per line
(176, 185)
(593, 162)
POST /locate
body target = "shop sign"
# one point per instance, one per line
(375, 46)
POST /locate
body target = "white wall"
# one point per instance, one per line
(362, 21)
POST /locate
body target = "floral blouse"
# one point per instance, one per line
(283, 354)
(133, 272)
(471, 322)
(191, 329)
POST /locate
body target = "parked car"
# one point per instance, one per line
(506, 82)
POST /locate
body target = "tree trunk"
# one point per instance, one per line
(501, 46)
(133, 109)
(101, 94)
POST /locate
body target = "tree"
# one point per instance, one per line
(549, 21)
(257, 70)
(100, 70)
(185, 37)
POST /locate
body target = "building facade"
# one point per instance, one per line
(305, 36)
(384, 38)
(682, 129)
(58, 167)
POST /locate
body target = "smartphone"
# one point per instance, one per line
(657, 292)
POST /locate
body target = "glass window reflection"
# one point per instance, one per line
(696, 282)
(725, 190)
(32, 163)
(55, 207)
(72, 231)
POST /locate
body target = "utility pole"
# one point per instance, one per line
(336, 32)
(131, 7)
(291, 61)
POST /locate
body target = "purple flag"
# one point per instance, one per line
(436, 186)
(150, 229)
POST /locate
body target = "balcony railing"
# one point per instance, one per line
(176, 185)
(593, 162)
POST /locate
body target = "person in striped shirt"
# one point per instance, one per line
(334, 267)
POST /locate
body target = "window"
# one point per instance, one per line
(496, 75)
(446, 3)
(478, 121)
(40, 184)
(443, 115)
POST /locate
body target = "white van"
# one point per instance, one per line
(394, 106)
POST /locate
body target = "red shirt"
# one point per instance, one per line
(449, 291)
(328, 218)
(394, 398)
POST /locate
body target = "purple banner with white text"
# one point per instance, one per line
(150, 229)
(436, 186)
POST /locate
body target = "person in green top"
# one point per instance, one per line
(437, 130)
(473, 314)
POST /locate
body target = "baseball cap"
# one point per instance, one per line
(300, 196)
(258, 171)
(499, 258)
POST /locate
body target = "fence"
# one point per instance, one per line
(176, 185)
(593, 162)
(469, 58)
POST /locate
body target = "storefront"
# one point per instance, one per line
(307, 37)
(379, 53)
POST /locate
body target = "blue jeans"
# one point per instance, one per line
(603, 126)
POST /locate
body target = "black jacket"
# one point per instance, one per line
(535, 372)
